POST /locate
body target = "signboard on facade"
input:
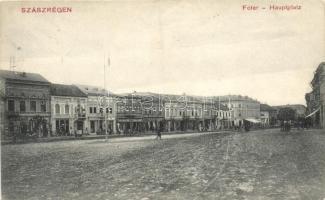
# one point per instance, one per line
(129, 120)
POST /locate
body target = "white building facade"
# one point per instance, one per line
(68, 110)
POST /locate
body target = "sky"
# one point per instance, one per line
(199, 47)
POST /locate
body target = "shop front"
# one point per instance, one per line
(129, 126)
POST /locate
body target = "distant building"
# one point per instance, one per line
(268, 115)
(242, 108)
(25, 98)
(68, 114)
(315, 99)
(298, 108)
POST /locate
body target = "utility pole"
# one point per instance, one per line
(12, 64)
(106, 104)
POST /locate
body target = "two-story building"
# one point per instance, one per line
(68, 114)
(223, 116)
(183, 112)
(101, 110)
(242, 108)
(129, 119)
(153, 111)
(26, 101)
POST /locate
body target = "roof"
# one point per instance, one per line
(234, 98)
(66, 90)
(265, 107)
(23, 76)
(94, 90)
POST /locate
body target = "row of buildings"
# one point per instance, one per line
(315, 99)
(30, 104)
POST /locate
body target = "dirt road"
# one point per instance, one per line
(264, 164)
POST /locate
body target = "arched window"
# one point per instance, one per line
(66, 109)
(57, 109)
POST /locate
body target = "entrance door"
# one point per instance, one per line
(57, 126)
(92, 126)
(80, 125)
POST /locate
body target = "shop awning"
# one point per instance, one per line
(314, 112)
(256, 121)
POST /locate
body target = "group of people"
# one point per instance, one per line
(286, 126)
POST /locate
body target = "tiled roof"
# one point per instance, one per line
(22, 76)
(66, 90)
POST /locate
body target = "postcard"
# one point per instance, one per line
(153, 99)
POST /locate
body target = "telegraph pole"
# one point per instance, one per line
(106, 104)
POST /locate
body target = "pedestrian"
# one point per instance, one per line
(158, 134)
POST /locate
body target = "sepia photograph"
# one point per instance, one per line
(162, 100)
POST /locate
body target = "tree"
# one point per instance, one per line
(286, 114)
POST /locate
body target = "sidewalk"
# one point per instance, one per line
(143, 136)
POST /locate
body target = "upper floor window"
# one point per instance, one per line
(32, 106)
(66, 109)
(43, 106)
(95, 110)
(90, 109)
(11, 105)
(22, 106)
(57, 109)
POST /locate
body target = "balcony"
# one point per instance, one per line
(81, 115)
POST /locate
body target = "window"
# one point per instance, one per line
(95, 110)
(43, 106)
(66, 109)
(33, 106)
(11, 105)
(101, 110)
(22, 106)
(110, 110)
(57, 109)
(90, 109)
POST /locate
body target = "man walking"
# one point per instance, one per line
(158, 133)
